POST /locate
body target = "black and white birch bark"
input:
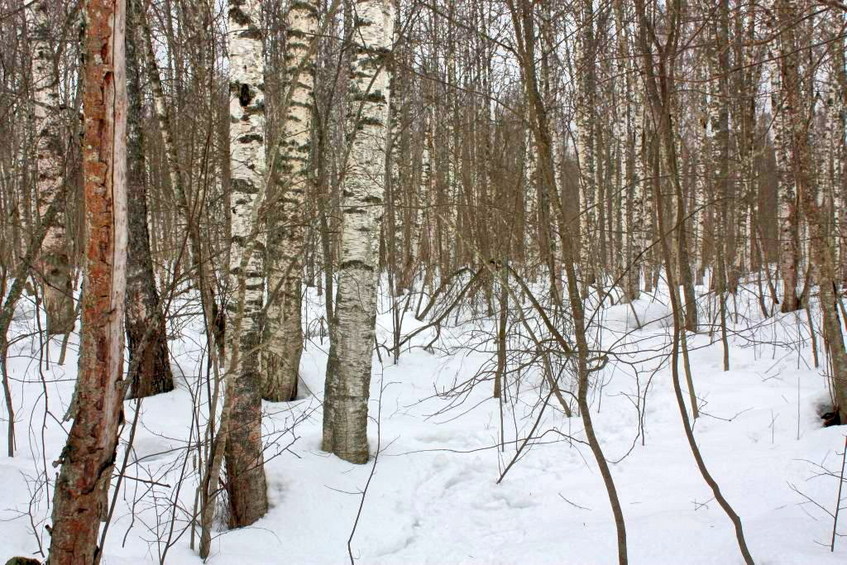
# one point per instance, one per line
(246, 484)
(53, 267)
(350, 359)
(287, 223)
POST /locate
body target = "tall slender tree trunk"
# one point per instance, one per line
(287, 226)
(797, 130)
(54, 265)
(634, 241)
(586, 138)
(719, 139)
(348, 376)
(785, 80)
(719, 164)
(246, 484)
(748, 147)
(840, 110)
(80, 495)
(834, 97)
(144, 316)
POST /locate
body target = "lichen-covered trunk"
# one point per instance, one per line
(287, 224)
(79, 499)
(246, 484)
(150, 368)
(349, 368)
(54, 265)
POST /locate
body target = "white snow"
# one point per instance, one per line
(434, 497)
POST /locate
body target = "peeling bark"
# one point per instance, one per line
(79, 499)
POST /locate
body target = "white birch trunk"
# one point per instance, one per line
(840, 113)
(244, 462)
(530, 176)
(349, 368)
(632, 221)
(784, 80)
(831, 142)
(53, 266)
(585, 123)
(423, 213)
(286, 233)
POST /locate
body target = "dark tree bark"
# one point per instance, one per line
(145, 322)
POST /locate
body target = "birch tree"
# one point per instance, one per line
(785, 80)
(349, 367)
(634, 241)
(246, 483)
(54, 265)
(286, 230)
(586, 126)
(188, 212)
(80, 496)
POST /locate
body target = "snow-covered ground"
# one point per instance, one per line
(434, 496)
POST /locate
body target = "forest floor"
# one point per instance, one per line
(432, 494)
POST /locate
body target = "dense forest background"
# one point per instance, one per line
(288, 172)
